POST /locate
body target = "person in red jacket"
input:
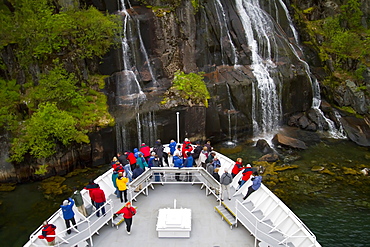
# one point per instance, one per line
(128, 212)
(98, 196)
(237, 167)
(145, 149)
(48, 233)
(246, 175)
(186, 147)
(131, 159)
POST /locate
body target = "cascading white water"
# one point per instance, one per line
(294, 31)
(138, 126)
(143, 50)
(148, 128)
(127, 52)
(258, 27)
(225, 34)
(231, 112)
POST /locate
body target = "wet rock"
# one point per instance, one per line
(263, 146)
(273, 157)
(327, 171)
(303, 122)
(317, 168)
(7, 187)
(358, 130)
(280, 139)
(350, 171)
(284, 168)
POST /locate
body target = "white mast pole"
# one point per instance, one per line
(178, 126)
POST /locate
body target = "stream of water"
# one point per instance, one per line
(334, 215)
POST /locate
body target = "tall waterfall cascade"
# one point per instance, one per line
(266, 110)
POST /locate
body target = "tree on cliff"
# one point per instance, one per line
(49, 97)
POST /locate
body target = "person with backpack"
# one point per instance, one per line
(225, 182)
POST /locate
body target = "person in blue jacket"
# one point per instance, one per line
(172, 146)
(189, 163)
(257, 180)
(68, 214)
(177, 162)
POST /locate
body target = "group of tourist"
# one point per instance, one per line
(129, 165)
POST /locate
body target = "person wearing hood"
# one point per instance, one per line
(68, 214)
(137, 152)
(98, 196)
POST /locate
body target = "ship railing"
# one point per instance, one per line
(86, 227)
(295, 235)
(292, 216)
(198, 175)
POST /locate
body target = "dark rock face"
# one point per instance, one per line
(191, 41)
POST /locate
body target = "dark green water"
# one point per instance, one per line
(337, 214)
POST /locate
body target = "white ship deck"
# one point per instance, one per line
(207, 227)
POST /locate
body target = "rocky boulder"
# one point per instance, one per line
(280, 139)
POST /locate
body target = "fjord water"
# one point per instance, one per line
(334, 215)
(338, 214)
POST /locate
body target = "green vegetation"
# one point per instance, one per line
(49, 99)
(342, 40)
(189, 87)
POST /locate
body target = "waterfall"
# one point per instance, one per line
(231, 112)
(294, 31)
(225, 37)
(122, 138)
(131, 28)
(258, 27)
(316, 100)
(138, 126)
(143, 50)
(148, 128)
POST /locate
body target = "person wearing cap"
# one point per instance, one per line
(48, 233)
(79, 202)
(68, 214)
(225, 182)
(128, 212)
(186, 147)
(122, 186)
(257, 180)
(247, 172)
